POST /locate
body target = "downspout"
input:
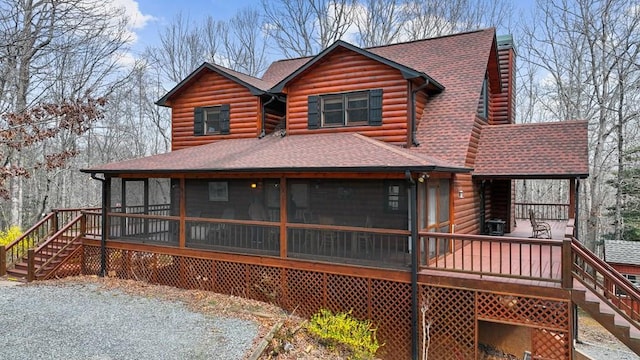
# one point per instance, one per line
(575, 223)
(103, 235)
(414, 265)
(263, 133)
(414, 141)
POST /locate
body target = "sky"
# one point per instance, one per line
(150, 16)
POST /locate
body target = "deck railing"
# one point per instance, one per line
(543, 211)
(38, 233)
(499, 256)
(55, 246)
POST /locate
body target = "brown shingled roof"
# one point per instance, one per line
(459, 63)
(327, 152)
(538, 150)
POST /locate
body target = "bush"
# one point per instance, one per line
(9, 235)
(359, 336)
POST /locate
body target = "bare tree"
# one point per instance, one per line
(305, 27)
(245, 43)
(435, 18)
(184, 46)
(53, 52)
(380, 22)
(582, 49)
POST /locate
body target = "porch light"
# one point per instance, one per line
(254, 185)
(460, 194)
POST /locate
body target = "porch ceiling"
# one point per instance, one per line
(318, 152)
(539, 150)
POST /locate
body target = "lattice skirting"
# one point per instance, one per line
(451, 313)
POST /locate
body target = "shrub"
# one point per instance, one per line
(359, 336)
(9, 235)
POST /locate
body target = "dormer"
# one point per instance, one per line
(215, 103)
(349, 89)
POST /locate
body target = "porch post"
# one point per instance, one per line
(106, 199)
(414, 266)
(283, 217)
(576, 225)
(182, 240)
(572, 198)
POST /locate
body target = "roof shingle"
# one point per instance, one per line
(328, 152)
(543, 150)
(622, 252)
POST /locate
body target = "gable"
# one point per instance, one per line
(344, 71)
(207, 90)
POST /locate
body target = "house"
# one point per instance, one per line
(624, 256)
(364, 180)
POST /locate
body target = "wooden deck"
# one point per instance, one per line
(514, 258)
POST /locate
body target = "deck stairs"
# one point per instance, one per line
(624, 330)
(41, 250)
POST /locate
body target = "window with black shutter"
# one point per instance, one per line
(211, 120)
(345, 109)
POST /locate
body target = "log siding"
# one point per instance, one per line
(345, 71)
(213, 89)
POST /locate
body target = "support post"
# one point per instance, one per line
(567, 264)
(3, 260)
(31, 265)
(414, 266)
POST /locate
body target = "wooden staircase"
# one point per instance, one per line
(625, 331)
(606, 295)
(46, 260)
(41, 250)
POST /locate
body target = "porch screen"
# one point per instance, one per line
(136, 207)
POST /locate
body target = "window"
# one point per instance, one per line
(211, 120)
(483, 103)
(395, 195)
(346, 109)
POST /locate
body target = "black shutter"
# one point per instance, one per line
(313, 114)
(224, 119)
(198, 121)
(375, 107)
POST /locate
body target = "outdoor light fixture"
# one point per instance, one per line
(422, 177)
(254, 185)
(460, 194)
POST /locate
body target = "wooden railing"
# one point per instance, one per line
(68, 235)
(558, 212)
(39, 232)
(499, 256)
(605, 282)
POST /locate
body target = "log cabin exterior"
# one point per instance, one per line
(362, 180)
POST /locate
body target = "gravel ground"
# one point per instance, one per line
(85, 321)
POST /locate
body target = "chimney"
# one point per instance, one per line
(504, 104)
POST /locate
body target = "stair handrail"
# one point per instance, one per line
(611, 279)
(31, 258)
(25, 237)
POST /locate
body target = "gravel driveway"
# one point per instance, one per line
(83, 321)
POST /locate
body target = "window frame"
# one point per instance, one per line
(345, 98)
(205, 119)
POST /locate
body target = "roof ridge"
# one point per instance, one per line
(431, 38)
(391, 148)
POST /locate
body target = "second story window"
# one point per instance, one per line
(346, 109)
(211, 120)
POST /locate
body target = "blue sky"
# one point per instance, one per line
(149, 16)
